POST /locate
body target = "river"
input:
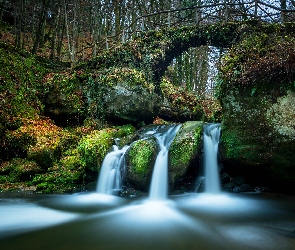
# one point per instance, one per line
(186, 221)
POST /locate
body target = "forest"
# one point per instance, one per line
(76, 75)
(75, 31)
(139, 124)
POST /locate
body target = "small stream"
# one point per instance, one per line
(187, 221)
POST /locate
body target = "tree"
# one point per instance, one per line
(40, 32)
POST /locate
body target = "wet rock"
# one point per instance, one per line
(228, 186)
(184, 159)
(140, 159)
(185, 153)
(243, 188)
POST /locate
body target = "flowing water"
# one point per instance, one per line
(159, 183)
(211, 139)
(110, 178)
(189, 221)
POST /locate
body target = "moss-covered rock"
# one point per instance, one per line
(46, 150)
(67, 175)
(184, 153)
(94, 146)
(183, 157)
(122, 95)
(140, 161)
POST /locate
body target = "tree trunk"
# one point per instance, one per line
(283, 9)
(55, 31)
(39, 36)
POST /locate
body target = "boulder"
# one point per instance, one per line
(122, 95)
(132, 104)
(185, 155)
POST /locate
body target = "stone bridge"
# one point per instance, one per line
(154, 50)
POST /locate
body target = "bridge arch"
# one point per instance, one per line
(154, 50)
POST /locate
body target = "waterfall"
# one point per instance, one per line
(211, 140)
(110, 177)
(159, 183)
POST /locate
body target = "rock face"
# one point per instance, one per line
(257, 94)
(258, 134)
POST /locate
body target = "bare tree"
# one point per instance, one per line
(40, 32)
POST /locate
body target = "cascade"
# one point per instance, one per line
(110, 178)
(159, 183)
(211, 140)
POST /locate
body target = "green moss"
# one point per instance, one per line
(94, 147)
(63, 176)
(21, 84)
(64, 93)
(142, 154)
(242, 147)
(18, 170)
(186, 143)
(125, 130)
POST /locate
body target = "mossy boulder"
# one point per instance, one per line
(122, 95)
(257, 96)
(49, 140)
(141, 157)
(184, 155)
(94, 146)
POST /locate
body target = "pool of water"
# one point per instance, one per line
(188, 221)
